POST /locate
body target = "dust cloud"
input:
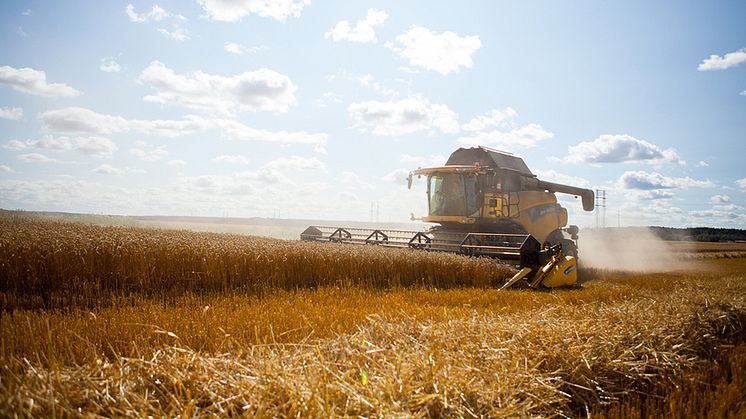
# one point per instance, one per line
(629, 249)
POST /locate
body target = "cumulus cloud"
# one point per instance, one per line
(642, 180)
(498, 128)
(109, 65)
(397, 176)
(741, 183)
(234, 10)
(230, 159)
(396, 118)
(5, 169)
(148, 152)
(621, 149)
(238, 131)
(260, 90)
(35, 158)
(720, 199)
(85, 121)
(92, 146)
(82, 120)
(495, 118)
(293, 163)
(422, 161)
(363, 31)
(34, 82)
(107, 169)
(95, 146)
(445, 53)
(156, 14)
(13, 114)
(716, 62)
(239, 49)
(524, 136)
(176, 162)
(176, 33)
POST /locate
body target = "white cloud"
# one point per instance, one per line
(49, 142)
(82, 120)
(720, 215)
(293, 163)
(397, 176)
(621, 149)
(741, 184)
(156, 14)
(423, 161)
(445, 53)
(363, 31)
(109, 65)
(720, 199)
(260, 90)
(92, 146)
(15, 145)
(107, 169)
(234, 10)
(524, 136)
(35, 158)
(716, 62)
(495, 118)
(177, 162)
(326, 99)
(396, 118)
(147, 152)
(14, 114)
(353, 180)
(95, 146)
(648, 181)
(743, 93)
(238, 49)
(231, 159)
(702, 163)
(238, 131)
(5, 169)
(177, 33)
(86, 121)
(34, 82)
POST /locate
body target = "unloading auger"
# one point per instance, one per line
(487, 203)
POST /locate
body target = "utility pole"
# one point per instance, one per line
(600, 208)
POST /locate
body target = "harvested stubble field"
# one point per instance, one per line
(123, 321)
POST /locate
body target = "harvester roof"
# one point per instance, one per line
(488, 157)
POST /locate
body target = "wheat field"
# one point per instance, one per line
(123, 321)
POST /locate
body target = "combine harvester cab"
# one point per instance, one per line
(487, 203)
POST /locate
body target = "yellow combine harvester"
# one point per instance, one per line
(487, 203)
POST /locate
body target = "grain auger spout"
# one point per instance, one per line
(487, 203)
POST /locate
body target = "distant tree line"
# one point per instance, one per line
(700, 234)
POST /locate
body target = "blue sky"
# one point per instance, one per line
(316, 109)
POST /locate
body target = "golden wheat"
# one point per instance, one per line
(58, 265)
(168, 323)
